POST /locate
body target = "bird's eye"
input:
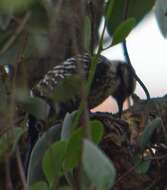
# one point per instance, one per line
(39, 126)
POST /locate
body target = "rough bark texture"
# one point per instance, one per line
(66, 28)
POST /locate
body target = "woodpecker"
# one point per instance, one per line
(111, 78)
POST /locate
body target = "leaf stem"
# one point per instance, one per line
(90, 75)
(126, 54)
(16, 34)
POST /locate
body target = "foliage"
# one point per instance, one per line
(64, 157)
(160, 12)
(145, 138)
(136, 9)
(104, 179)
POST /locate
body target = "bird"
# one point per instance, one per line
(112, 78)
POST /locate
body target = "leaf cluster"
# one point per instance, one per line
(63, 150)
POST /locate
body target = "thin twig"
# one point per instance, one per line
(125, 11)
(133, 71)
(95, 59)
(21, 169)
(91, 74)
(108, 47)
(84, 103)
(83, 93)
(164, 146)
(152, 184)
(162, 122)
(71, 181)
(12, 110)
(9, 185)
(16, 34)
(127, 173)
(126, 54)
(92, 14)
(125, 49)
(13, 86)
(155, 157)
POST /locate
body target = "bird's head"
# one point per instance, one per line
(125, 82)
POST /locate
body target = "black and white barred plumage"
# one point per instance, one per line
(111, 78)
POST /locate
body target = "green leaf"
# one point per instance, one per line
(67, 89)
(37, 107)
(3, 96)
(9, 140)
(5, 145)
(17, 133)
(136, 9)
(33, 105)
(35, 172)
(145, 138)
(67, 126)
(48, 5)
(161, 16)
(39, 18)
(97, 131)
(73, 150)
(87, 33)
(41, 185)
(5, 20)
(52, 161)
(75, 142)
(65, 188)
(141, 166)
(109, 9)
(123, 30)
(10, 54)
(98, 167)
(37, 26)
(15, 5)
(40, 41)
